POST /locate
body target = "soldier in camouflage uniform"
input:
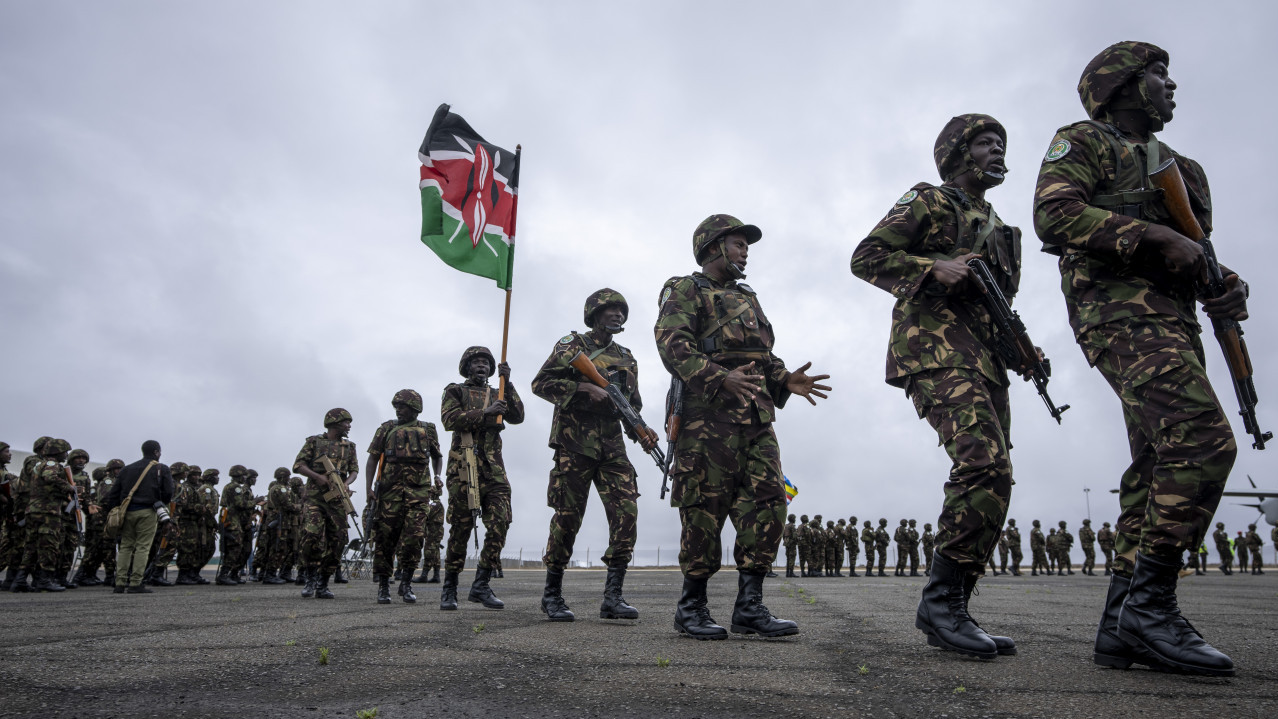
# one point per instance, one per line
(1064, 543)
(190, 516)
(870, 539)
(1038, 550)
(1255, 545)
(1240, 551)
(1087, 538)
(99, 550)
(840, 531)
(1051, 548)
(273, 534)
(291, 537)
(901, 539)
(942, 355)
(833, 549)
(73, 518)
(929, 545)
(22, 553)
(407, 451)
(881, 542)
(209, 479)
(1221, 538)
(804, 536)
(237, 511)
(713, 336)
(1129, 280)
(50, 489)
(470, 411)
(434, 537)
(816, 551)
(324, 528)
(789, 539)
(1105, 538)
(1013, 535)
(912, 546)
(7, 517)
(1003, 550)
(853, 540)
(586, 434)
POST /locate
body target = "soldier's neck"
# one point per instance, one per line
(601, 337)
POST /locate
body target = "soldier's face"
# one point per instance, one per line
(5, 456)
(78, 463)
(987, 152)
(404, 413)
(737, 249)
(343, 428)
(1161, 89)
(609, 318)
(479, 368)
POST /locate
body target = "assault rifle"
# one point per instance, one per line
(674, 423)
(472, 481)
(629, 417)
(1013, 342)
(339, 490)
(1228, 331)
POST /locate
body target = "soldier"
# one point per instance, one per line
(833, 549)
(50, 491)
(1221, 537)
(870, 539)
(1002, 552)
(164, 545)
(291, 535)
(8, 520)
(901, 539)
(1105, 538)
(819, 541)
(941, 355)
(1240, 551)
(912, 546)
(23, 553)
(713, 336)
(237, 510)
(1130, 283)
(929, 545)
(841, 531)
(881, 541)
(324, 523)
(853, 540)
(209, 479)
(1087, 538)
(190, 514)
(274, 534)
(434, 537)
(1052, 548)
(470, 411)
(788, 538)
(802, 536)
(73, 518)
(1064, 543)
(1038, 550)
(1013, 536)
(251, 528)
(407, 450)
(586, 434)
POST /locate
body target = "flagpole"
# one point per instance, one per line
(505, 324)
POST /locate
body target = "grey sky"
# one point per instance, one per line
(210, 215)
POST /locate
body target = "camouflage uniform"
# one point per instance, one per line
(73, 523)
(902, 540)
(789, 539)
(816, 551)
(1221, 538)
(99, 550)
(1087, 538)
(929, 544)
(1136, 322)
(940, 351)
(1064, 543)
(324, 528)
(237, 513)
(881, 541)
(1240, 551)
(1038, 549)
(405, 489)
(1105, 538)
(870, 540)
(833, 548)
(1051, 548)
(8, 520)
(50, 490)
(164, 545)
(291, 529)
(803, 535)
(462, 411)
(191, 516)
(841, 532)
(434, 533)
(727, 461)
(212, 508)
(589, 449)
(853, 538)
(274, 541)
(1003, 549)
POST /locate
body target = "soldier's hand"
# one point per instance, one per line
(594, 393)
(496, 408)
(648, 440)
(1231, 305)
(503, 370)
(1182, 255)
(743, 383)
(804, 385)
(953, 274)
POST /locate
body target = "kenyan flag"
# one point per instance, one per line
(469, 195)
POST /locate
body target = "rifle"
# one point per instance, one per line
(73, 507)
(1228, 332)
(340, 491)
(375, 498)
(472, 481)
(629, 417)
(1013, 341)
(674, 423)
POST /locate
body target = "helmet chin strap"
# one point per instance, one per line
(734, 271)
(986, 178)
(615, 329)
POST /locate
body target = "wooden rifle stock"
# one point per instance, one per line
(631, 418)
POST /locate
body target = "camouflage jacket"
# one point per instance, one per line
(1002, 543)
(1254, 542)
(462, 410)
(852, 535)
(881, 538)
(51, 489)
(1221, 537)
(912, 538)
(1065, 540)
(803, 535)
(704, 330)
(1086, 536)
(211, 502)
(928, 539)
(415, 443)
(237, 498)
(7, 490)
(901, 536)
(340, 451)
(1106, 274)
(1105, 538)
(579, 425)
(931, 329)
(868, 537)
(1051, 542)
(816, 535)
(1037, 541)
(834, 538)
(279, 497)
(190, 501)
(1013, 537)
(787, 534)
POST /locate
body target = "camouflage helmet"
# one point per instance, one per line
(99, 473)
(1113, 68)
(1251, 527)
(193, 470)
(951, 153)
(601, 299)
(1011, 522)
(803, 518)
(38, 446)
(237, 470)
(842, 521)
(178, 469)
(817, 517)
(867, 524)
(78, 453)
(715, 228)
(295, 481)
(250, 473)
(1106, 524)
(829, 522)
(282, 473)
(471, 353)
(1036, 524)
(335, 415)
(210, 475)
(902, 522)
(791, 518)
(852, 520)
(912, 522)
(1061, 524)
(1220, 525)
(1087, 521)
(927, 526)
(408, 397)
(115, 464)
(55, 447)
(4, 446)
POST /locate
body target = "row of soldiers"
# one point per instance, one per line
(1248, 546)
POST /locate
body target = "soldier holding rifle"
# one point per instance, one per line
(327, 504)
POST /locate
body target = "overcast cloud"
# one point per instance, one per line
(210, 216)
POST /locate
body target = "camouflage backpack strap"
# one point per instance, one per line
(1133, 181)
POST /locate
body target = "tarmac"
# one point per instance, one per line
(255, 651)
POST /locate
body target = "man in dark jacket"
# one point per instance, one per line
(155, 488)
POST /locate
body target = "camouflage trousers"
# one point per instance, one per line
(1017, 555)
(816, 557)
(721, 471)
(404, 493)
(1109, 558)
(853, 551)
(928, 548)
(883, 558)
(99, 551)
(834, 558)
(12, 543)
(208, 542)
(282, 546)
(972, 420)
(1039, 555)
(805, 555)
(44, 541)
(324, 536)
(494, 503)
(70, 543)
(1002, 558)
(232, 542)
(165, 545)
(434, 535)
(1181, 445)
(1243, 559)
(790, 551)
(1226, 556)
(189, 544)
(570, 480)
(869, 557)
(1089, 559)
(901, 555)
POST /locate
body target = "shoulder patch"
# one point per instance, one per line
(665, 295)
(908, 197)
(237, 490)
(1059, 149)
(566, 339)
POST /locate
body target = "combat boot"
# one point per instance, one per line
(321, 586)
(301, 576)
(285, 575)
(308, 590)
(140, 589)
(45, 582)
(383, 589)
(881, 574)
(943, 617)
(915, 572)
(434, 577)
(852, 571)
(273, 577)
(1150, 620)
(64, 578)
(238, 576)
(771, 573)
(9, 576)
(109, 579)
(339, 577)
(184, 577)
(158, 580)
(692, 617)
(399, 573)
(406, 589)
(750, 616)
(80, 579)
(552, 598)
(448, 592)
(499, 573)
(225, 578)
(424, 577)
(1109, 650)
(482, 593)
(614, 605)
(1005, 645)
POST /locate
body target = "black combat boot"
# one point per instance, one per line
(448, 592)
(79, 579)
(914, 571)
(481, 592)
(552, 598)
(225, 578)
(158, 580)
(64, 578)
(285, 574)
(942, 613)
(9, 576)
(424, 577)
(301, 577)
(692, 617)
(1005, 645)
(46, 582)
(614, 605)
(238, 576)
(140, 589)
(383, 589)
(434, 577)
(109, 579)
(339, 577)
(273, 577)
(499, 573)
(1150, 620)
(406, 589)
(772, 574)
(837, 573)
(881, 574)
(750, 616)
(1110, 651)
(852, 571)
(185, 577)
(321, 586)
(399, 573)
(308, 590)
